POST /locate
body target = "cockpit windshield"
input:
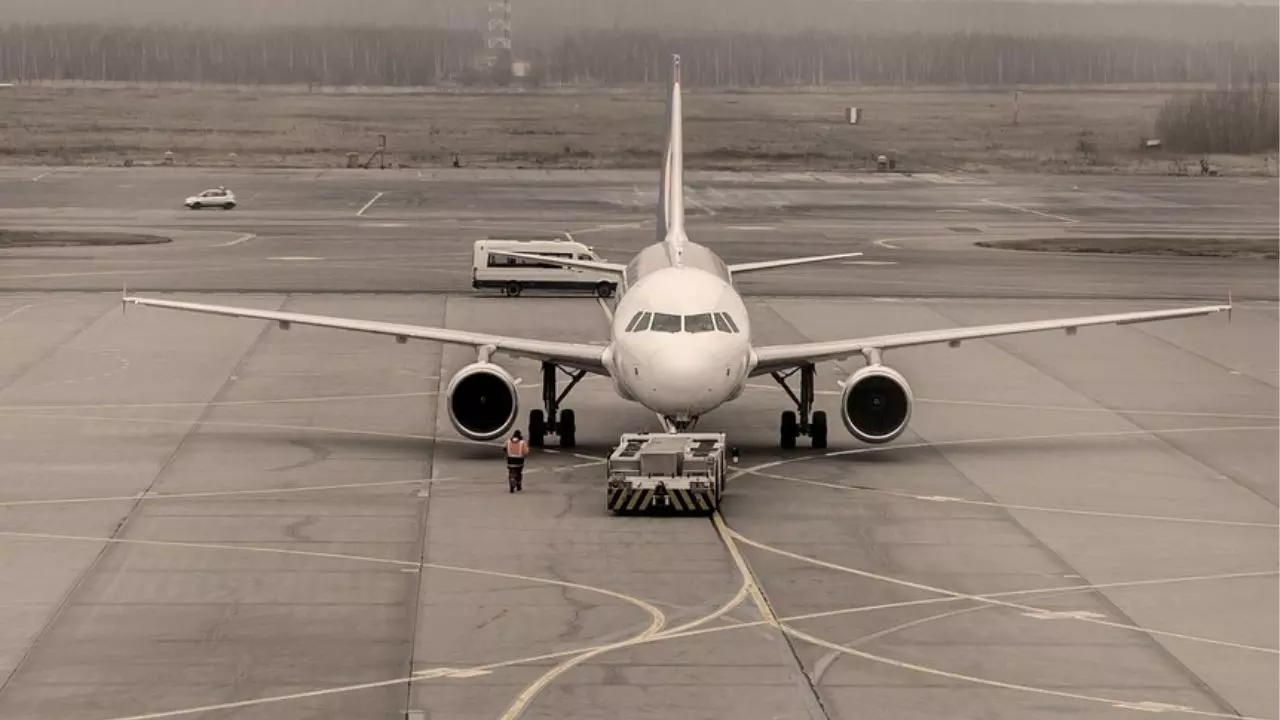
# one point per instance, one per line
(697, 323)
(663, 322)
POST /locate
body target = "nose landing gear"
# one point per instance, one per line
(803, 420)
(678, 425)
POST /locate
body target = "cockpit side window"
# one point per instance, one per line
(644, 321)
(733, 326)
(699, 323)
(721, 325)
(662, 322)
(635, 321)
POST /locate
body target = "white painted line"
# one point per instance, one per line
(868, 262)
(614, 226)
(369, 204)
(41, 175)
(979, 598)
(1064, 615)
(467, 673)
(15, 311)
(699, 204)
(887, 243)
(294, 257)
(1019, 208)
(1149, 706)
(749, 227)
(239, 240)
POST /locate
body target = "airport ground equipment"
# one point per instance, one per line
(515, 273)
(682, 472)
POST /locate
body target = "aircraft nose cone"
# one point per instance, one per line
(684, 382)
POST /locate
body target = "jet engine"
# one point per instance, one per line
(482, 401)
(876, 404)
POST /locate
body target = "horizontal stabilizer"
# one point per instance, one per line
(567, 262)
(770, 264)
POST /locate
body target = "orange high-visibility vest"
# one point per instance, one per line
(517, 448)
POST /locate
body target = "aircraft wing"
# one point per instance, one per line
(774, 358)
(580, 356)
(567, 262)
(741, 268)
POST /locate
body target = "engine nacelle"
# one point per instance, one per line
(482, 401)
(876, 404)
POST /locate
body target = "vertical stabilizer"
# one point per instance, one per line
(671, 184)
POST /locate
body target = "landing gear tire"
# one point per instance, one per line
(537, 429)
(818, 430)
(604, 289)
(550, 419)
(568, 429)
(803, 420)
(512, 289)
(790, 430)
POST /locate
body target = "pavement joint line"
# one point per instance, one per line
(453, 671)
(990, 601)
(1013, 506)
(661, 636)
(753, 588)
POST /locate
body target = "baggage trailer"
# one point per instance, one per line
(682, 472)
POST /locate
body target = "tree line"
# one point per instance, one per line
(335, 56)
(424, 56)
(1240, 120)
(815, 59)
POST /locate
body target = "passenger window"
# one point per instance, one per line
(721, 325)
(732, 325)
(699, 323)
(663, 322)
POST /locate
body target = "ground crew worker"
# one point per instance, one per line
(517, 449)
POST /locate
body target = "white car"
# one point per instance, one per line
(217, 197)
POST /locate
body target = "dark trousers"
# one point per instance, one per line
(515, 473)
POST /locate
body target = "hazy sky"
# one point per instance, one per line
(460, 12)
(535, 19)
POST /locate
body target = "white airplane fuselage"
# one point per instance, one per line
(679, 375)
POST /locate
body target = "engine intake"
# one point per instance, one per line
(876, 404)
(482, 401)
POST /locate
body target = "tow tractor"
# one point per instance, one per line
(683, 472)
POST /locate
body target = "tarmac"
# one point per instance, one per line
(211, 517)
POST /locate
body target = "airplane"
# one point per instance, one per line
(680, 341)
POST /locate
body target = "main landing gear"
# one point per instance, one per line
(809, 422)
(551, 419)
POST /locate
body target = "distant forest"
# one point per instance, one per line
(425, 56)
